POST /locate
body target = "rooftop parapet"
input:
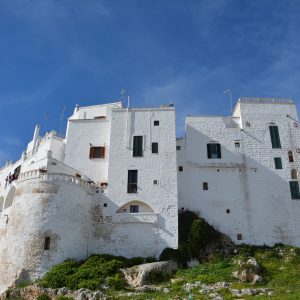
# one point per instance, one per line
(266, 100)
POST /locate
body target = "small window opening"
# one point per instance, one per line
(180, 168)
(278, 162)
(156, 123)
(47, 243)
(155, 182)
(134, 208)
(237, 144)
(239, 236)
(294, 188)
(294, 174)
(154, 147)
(213, 151)
(182, 208)
(178, 148)
(132, 181)
(105, 204)
(205, 186)
(291, 156)
(227, 211)
(97, 152)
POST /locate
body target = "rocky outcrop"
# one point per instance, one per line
(139, 275)
(32, 292)
(249, 270)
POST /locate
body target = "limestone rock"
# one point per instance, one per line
(138, 275)
(249, 271)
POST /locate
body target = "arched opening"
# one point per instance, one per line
(291, 156)
(1, 203)
(10, 197)
(294, 174)
(135, 206)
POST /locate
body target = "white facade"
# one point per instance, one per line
(61, 200)
(115, 183)
(242, 193)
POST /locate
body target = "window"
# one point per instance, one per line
(180, 168)
(137, 146)
(294, 174)
(294, 187)
(104, 204)
(155, 182)
(47, 243)
(132, 181)
(227, 211)
(156, 123)
(237, 144)
(178, 148)
(134, 208)
(278, 163)
(291, 156)
(205, 186)
(274, 133)
(97, 152)
(154, 147)
(213, 150)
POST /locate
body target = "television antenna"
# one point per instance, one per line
(62, 117)
(228, 91)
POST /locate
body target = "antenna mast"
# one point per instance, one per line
(228, 91)
(62, 117)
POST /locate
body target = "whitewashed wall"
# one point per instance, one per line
(162, 198)
(244, 180)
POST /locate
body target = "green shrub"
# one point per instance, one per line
(201, 235)
(43, 297)
(155, 277)
(60, 297)
(58, 276)
(116, 282)
(185, 220)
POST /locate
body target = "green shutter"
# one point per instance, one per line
(275, 140)
(278, 162)
(138, 146)
(294, 187)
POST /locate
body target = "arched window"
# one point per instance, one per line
(291, 156)
(294, 174)
(10, 197)
(1, 203)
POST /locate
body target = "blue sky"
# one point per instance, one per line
(57, 53)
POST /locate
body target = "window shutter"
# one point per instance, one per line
(219, 150)
(274, 134)
(208, 151)
(102, 152)
(91, 152)
(294, 187)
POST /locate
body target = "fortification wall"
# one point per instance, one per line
(43, 208)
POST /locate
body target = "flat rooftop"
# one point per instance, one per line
(265, 100)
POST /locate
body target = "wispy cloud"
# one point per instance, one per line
(11, 141)
(41, 92)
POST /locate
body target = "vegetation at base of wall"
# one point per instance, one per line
(281, 266)
(43, 297)
(195, 236)
(92, 273)
(63, 298)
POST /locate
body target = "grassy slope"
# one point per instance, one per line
(281, 272)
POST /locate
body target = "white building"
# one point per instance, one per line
(240, 173)
(109, 187)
